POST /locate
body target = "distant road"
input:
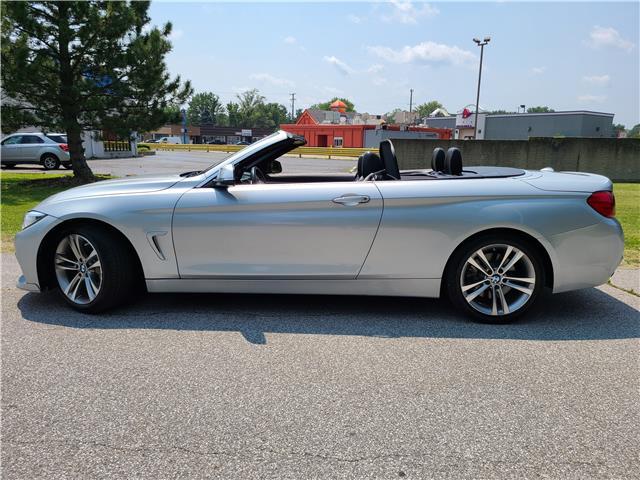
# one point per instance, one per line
(172, 162)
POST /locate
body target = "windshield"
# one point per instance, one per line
(254, 147)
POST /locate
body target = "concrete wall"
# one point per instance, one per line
(618, 159)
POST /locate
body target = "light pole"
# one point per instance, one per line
(481, 44)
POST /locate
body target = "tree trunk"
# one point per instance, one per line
(81, 169)
(68, 101)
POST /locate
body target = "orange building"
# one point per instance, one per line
(339, 128)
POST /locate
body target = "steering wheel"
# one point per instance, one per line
(257, 176)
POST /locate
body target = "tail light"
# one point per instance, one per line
(603, 202)
(64, 146)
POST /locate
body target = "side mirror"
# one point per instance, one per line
(276, 167)
(226, 177)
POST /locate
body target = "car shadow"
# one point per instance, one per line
(583, 315)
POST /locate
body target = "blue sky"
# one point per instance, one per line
(565, 55)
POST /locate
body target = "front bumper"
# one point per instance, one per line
(27, 243)
(24, 285)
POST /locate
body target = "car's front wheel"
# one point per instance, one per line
(92, 268)
(496, 279)
(50, 162)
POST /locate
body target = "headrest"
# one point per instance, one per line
(453, 162)
(388, 155)
(437, 159)
(371, 163)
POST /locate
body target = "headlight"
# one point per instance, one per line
(32, 217)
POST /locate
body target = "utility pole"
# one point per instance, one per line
(481, 44)
(411, 100)
(293, 107)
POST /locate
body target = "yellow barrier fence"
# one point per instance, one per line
(313, 151)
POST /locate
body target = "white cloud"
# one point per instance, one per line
(592, 98)
(176, 34)
(425, 52)
(608, 37)
(375, 68)
(354, 18)
(379, 81)
(339, 64)
(404, 11)
(290, 40)
(600, 80)
(538, 70)
(267, 78)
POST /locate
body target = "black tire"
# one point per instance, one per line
(8, 165)
(67, 165)
(50, 162)
(119, 277)
(458, 266)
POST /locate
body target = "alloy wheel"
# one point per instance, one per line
(50, 163)
(78, 269)
(498, 279)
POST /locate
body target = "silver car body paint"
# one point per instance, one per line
(294, 238)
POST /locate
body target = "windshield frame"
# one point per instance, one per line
(240, 155)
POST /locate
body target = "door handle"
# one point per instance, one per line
(351, 199)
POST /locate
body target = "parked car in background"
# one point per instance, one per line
(216, 142)
(49, 150)
(174, 139)
(243, 142)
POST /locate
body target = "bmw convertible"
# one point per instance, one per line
(493, 240)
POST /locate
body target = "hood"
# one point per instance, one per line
(138, 184)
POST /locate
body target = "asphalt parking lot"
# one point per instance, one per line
(250, 386)
(177, 162)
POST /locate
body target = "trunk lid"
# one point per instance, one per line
(568, 181)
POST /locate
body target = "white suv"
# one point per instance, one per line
(49, 150)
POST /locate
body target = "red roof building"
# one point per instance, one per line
(339, 128)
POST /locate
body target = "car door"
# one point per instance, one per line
(10, 148)
(318, 230)
(29, 147)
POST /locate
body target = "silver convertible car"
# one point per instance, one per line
(491, 239)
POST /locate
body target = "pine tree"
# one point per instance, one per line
(86, 65)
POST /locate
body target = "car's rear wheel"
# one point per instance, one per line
(495, 278)
(50, 162)
(93, 270)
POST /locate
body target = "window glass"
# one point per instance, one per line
(337, 141)
(31, 139)
(58, 138)
(12, 140)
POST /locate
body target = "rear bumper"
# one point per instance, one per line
(587, 257)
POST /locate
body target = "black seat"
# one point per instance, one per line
(453, 162)
(437, 159)
(388, 155)
(368, 163)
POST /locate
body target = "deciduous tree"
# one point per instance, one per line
(325, 105)
(205, 107)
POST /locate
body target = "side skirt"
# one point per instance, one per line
(414, 287)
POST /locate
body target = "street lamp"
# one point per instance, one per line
(481, 44)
